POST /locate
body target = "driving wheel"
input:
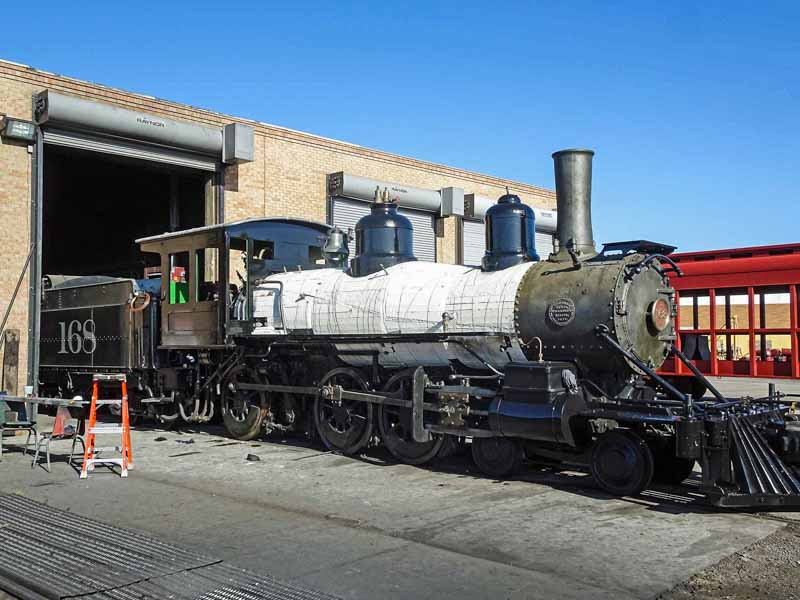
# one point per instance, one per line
(344, 426)
(243, 411)
(395, 424)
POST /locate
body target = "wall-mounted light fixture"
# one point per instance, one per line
(17, 129)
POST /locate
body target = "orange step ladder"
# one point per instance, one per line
(90, 459)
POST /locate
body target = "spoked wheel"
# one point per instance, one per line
(396, 427)
(497, 457)
(343, 426)
(243, 411)
(622, 463)
(668, 468)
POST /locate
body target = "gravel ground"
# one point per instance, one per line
(769, 568)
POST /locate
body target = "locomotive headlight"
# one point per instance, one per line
(658, 314)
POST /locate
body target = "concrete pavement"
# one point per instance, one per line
(370, 528)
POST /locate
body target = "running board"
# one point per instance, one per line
(761, 477)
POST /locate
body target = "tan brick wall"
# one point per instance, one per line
(15, 196)
(287, 177)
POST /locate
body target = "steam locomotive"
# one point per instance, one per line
(270, 323)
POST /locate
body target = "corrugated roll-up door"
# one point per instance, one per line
(347, 212)
(475, 243)
(424, 233)
(129, 148)
(544, 244)
(474, 236)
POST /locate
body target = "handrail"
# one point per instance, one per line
(637, 267)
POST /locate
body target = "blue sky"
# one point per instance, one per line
(692, 108)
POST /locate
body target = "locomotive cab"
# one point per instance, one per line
(209, 274)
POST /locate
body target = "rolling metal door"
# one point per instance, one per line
(424, 233)
(101, 127)
(474, 242)
(347, 212)
(474, 237)
(544, 244)
(129, 148)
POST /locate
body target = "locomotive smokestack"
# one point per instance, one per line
(573, 170)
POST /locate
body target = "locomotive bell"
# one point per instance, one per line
(383, 238)
(510, 236)
(336, 250)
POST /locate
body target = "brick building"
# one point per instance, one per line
(81, 192)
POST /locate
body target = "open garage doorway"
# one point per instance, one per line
(96, 205)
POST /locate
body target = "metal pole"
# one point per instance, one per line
(35, 277)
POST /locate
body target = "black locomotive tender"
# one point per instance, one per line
(569, 376)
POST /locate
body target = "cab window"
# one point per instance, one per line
(206, 274)
(237, 279)
(179, 278)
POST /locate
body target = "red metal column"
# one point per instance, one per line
(678, 363)
(712, 300)
(793, 318)
(751, 326)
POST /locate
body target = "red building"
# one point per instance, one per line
(738, 312)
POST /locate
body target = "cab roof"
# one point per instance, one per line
(235, 227)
